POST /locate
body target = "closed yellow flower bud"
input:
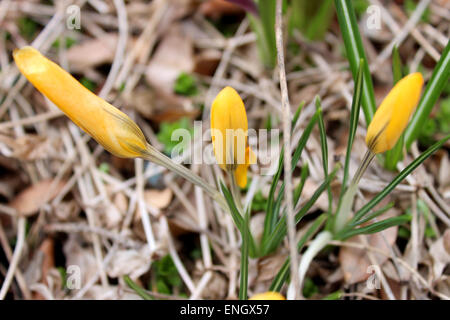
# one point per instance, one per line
(269, 295)
(229, 134)
(393, 115)
(109, 126)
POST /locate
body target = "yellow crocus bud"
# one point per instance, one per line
(229, 134)
(393, 115)
(269, 295)
(109, 126)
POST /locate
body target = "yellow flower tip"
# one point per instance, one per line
(393, 114)
(229, 134)
(241, 170)
(109, 126)
(269, 295)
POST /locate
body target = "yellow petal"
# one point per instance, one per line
(241, 170)
(229, 128)
(393, 115)
(109, 126)
(241, 175)
(269, 295)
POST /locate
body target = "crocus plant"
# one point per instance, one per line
(269, 295)
(109, 126)
(229, 135)
(387, 125)
(121, 136)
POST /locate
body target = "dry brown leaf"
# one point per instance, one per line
(28, 147)
(92, 53)
(32, 198)
(48, 262)
(446, 237)
(66, 210)
(80, 259)
(159, 106)
(306, 94)
(217, 8)
(355, 262)
(158, 198)
(129, 262)
(440, 254)
(112, 216)
(206, 62)
(269, 266)
(121, 202)
(444, 169)
(48, 249)
(308, 191)
(174, 55)
(257, 225)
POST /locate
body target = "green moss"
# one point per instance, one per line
(309, 288)
(185, 85)
(89, 84)
(167, 129)
(167, 277)
(410, 7)
(68, 42)
(27, 27)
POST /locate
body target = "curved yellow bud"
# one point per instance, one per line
(109, 126)
(393, 115)
(229, 134)
(269, 295)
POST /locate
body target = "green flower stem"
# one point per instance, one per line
(153, 155)
(346, 204)
(139, 290)
(235, 191)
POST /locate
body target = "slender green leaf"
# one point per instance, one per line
(355, 52)
(334, 296)
(297, 115)
(237, 218)
(268, 227)
(319, 24)
(263, 26)
(138, 289)
(244, 258)
(438, 80)
(399, 178)
(281, 277)
(374, 227)
(271, 214)
(235, 214)
(354, 116)
(283, 273)
(324, 149)
(297, 19)
(298, 190)
(278, 204)
(303, 139)
(316, 194)
(272, 242)
(354, 223)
